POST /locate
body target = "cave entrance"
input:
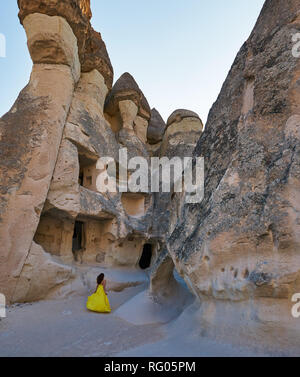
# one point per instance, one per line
(77, 243)
(146, 258)
(87, 171)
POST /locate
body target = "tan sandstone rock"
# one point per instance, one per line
(239, 248)
(124, 89)
(40, 275)
(77, 13)
(55, 44)
(31, 135)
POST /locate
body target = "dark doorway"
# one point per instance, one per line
(77, 237)
(145, 261)
(81, 178)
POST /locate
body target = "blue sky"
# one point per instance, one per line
(179, 51)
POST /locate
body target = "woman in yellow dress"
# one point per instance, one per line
(98, 302)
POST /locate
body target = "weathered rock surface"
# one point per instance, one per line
(239, 248)
(51, 141)
(156, 128)
(55, 44)
(178, 115)
(77, 14)
(96, 57)
(30, 137)
(126, 89)
(182, 134)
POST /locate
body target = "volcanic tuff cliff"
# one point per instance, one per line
(52, 216)
(238, 250)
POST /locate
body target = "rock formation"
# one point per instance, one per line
(156, 128)
(67, 117)
(238, 250)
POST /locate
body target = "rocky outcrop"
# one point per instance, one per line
(156, 128)
(55, 44)
(30, 137)
(239, 248)
(96, 57)
(77, 14)
(183, 131)
(41, 274)
(51, 141)
(178, 115)
(126, 89)
(163, 283)
(179, 141)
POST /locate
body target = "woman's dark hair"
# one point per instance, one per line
(100, 279)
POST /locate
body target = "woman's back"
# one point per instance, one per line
(98, 302)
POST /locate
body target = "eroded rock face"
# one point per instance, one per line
(182, 134)
(156, 128)
(241, 244)
(96, 57)
(238, 250)
(40, 276)
(163, 284)
(51, 141)
(126, 89)
(77, 14)
(30, 136)
(178, 115)
(179, 141)
(55, 44)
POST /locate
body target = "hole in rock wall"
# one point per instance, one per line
(115, 122)
(53, 234)
(81, 179)
(246, 274)
(134, 204)
(148, 203)
(49, 234)
(86, 240)
(78, 237)
(146, 258)
(97, 239)
(87, 172)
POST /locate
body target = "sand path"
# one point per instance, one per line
(65, 328)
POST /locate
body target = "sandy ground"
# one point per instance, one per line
(66, 328)
(182, 339)
(135, 328)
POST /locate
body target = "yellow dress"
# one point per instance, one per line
(98, 302)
